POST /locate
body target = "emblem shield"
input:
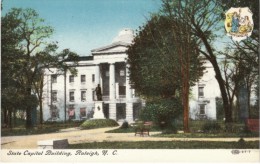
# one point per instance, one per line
(239, 23)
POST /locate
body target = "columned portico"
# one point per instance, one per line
(112, 86)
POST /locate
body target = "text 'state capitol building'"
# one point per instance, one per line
(69, 97)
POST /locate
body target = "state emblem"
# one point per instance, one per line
(239, 23)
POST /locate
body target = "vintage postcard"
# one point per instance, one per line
(129, 81)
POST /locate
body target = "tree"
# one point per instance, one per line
(231, 71)
(204, 18)
(58, 61)
(246, 51)
(240, 77)
(35, 53)
(186, 48)
(164, 61)
(11, 90)
(162, 112)
(154, 66)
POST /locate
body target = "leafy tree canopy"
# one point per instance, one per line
(26, 52)
(154, 63)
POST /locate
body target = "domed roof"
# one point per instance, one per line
(126, 35)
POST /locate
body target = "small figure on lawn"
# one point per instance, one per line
(98, 93)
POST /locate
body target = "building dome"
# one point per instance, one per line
(125, 35)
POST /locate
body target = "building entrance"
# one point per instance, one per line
(120, 111)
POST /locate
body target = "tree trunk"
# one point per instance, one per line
(213, 61)
(248, 101)
(28, 111)
(40, 100)
(226, 104)
(10, 118)
(236, 118)
(5, 118)
(185, 101)
(41, 113)
(186, 85)
(14, 122)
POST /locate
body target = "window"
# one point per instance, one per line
(72, 96)
(54, 96)
(54, 111)
(83, 95)
(202, 109)
(71, 106)
(83, 78)
(93, 77)
(71, 78)
(93, 95)
(201, 91)
(122, 73)
(122, 90)
(71, 112)
(54, 78)
(82, 112)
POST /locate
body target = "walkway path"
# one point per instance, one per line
(75, 135)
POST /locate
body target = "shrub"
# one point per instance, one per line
(170, 130)
(98, 123)
(124, 125)
(211, 127)
(162, 111)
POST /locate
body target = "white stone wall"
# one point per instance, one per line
(211, 91)
(77, 86)
(48, 86)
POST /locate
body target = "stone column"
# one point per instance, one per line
(127, 85)
(112, 111)
(112, 89)
(117, 90)
(97, 74)
(129, 112)
(133, 92)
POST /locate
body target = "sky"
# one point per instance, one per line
(83, 25)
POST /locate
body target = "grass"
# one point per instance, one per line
(167, 145)
(48, 127)
(98, 123)
(51, 127)
(195, 127)
(208, 135)
(122, 130)
(190, 135)
(129, 130)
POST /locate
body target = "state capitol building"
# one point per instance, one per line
(69, 97)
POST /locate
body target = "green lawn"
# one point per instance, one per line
(49, 127)
(129, 130)
(167, 145)
(209, 135)
(190, 135)
(195, 127)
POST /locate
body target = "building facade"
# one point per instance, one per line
(74, 97)
(69, 97)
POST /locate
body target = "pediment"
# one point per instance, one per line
(117, 47)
